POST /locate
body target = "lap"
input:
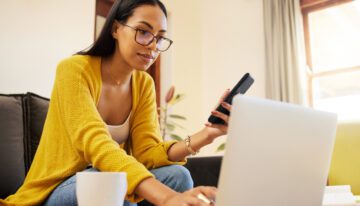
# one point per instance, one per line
(174, 176)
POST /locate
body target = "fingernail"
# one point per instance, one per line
(204, 199)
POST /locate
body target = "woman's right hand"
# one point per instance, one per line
(189, 198)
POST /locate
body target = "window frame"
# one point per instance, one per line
(308, 6)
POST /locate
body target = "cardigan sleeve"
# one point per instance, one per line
(147, 145)
(86, 130)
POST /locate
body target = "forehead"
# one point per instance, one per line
(150, 14)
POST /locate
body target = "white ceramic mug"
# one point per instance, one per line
(101, 188)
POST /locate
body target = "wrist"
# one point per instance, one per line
(208, 139)
(189, 147)
(154, 191)
(166, 197)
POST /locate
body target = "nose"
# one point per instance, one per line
(153, 45)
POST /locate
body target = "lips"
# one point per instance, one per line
(146, 57)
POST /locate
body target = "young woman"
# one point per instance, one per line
(103, 117)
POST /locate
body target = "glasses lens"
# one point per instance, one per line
(144, 37)
(163, 44)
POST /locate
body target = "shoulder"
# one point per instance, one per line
(144, 85)
(143, 79)
(75, 64)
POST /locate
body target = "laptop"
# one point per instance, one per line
(277, 154)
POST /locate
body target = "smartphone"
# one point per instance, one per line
(240, 88)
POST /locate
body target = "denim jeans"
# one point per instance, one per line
(174, 176)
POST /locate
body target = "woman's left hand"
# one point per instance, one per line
(216, 130)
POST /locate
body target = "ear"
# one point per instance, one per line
(114, 29)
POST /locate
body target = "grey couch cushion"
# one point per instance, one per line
(12, 172)
(204, 170)
(36, 110)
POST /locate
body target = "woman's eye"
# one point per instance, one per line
(143, 32)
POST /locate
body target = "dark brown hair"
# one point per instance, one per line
(121, 11)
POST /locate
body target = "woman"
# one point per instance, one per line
(103, 117)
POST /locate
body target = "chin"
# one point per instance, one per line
(143, 67)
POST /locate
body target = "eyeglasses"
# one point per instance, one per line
(145, 38)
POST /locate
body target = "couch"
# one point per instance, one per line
(345, 163)
(21, 122)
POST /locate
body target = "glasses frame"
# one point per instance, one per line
(150, 42)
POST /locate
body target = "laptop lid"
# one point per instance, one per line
(277, 154)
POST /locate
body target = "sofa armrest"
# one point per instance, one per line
(205, 171)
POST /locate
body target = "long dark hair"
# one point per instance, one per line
(104, 45)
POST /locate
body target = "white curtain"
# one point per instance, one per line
(284, 51)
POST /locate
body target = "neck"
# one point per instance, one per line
(116, 70)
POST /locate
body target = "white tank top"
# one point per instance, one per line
(120, 133)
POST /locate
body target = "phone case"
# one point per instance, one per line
(240, 88)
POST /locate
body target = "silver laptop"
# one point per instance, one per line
(277, 154)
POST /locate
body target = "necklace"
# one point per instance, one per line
(106, 68)
(117, 82)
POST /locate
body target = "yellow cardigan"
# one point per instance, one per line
(75, 135)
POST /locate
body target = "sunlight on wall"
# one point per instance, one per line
(36, 35)
(209, 56)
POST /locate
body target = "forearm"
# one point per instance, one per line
(179, 150)
(154, 191)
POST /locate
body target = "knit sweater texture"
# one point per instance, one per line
(75, 135)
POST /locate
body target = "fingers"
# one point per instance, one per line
(209, 192)
(223, 128)
(207, 195)
(226, 105)
(227, 91)
(223, 96)
(220, 115)
(188, 198)
(191, 199)
(204, 198)
(194, 201)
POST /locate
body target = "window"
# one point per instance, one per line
(332, 37)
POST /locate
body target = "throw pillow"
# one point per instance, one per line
(12, 173)
(37, 107)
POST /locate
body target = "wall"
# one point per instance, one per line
(233, 44)
(36, 35)
(215, 44)
(181, 65)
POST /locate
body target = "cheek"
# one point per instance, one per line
(125, 45)
(127, 49)
(129, 53)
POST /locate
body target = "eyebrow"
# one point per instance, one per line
(149, 25)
